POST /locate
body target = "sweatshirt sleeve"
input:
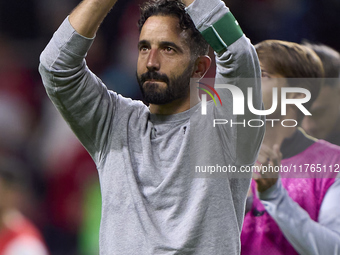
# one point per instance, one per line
(237, 64)
(304, 234)
(79, 95)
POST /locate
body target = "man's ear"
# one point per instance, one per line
(202, 65)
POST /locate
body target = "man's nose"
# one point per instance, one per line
(153, 63)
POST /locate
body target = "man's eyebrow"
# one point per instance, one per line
(171, 44)
(143, 42)
(161, 44)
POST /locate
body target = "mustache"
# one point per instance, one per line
(154, 76)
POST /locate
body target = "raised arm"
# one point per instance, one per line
(89, 14)
(236, 64)
(79, 95)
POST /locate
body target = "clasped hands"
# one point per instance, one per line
(267, 157)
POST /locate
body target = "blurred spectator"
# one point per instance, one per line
(297, 211)
(17, 99)
(19, 104)
(68, 170)
(18, 235)
(325, 120)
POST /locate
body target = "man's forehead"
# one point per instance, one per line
(162, 26)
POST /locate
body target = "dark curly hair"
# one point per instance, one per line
(175, 8)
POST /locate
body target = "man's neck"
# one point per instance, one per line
(174, 107)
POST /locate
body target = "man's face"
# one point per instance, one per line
(164, 66)
(325, 112)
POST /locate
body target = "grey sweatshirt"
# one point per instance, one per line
(152, 201)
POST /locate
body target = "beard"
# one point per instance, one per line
(176, 87)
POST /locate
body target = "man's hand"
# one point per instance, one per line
(187, 2)
(267, 156)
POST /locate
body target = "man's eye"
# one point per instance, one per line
(143, 48)
(169, 49)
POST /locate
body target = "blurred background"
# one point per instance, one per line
(61, 199)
